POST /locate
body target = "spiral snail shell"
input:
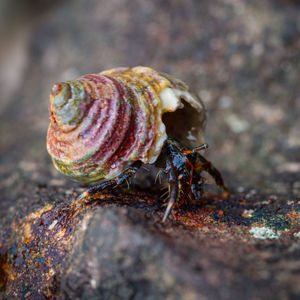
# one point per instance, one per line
(102, 123)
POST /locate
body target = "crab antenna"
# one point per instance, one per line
(201, 147)
(196, 149)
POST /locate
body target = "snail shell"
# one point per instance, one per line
(101, 123)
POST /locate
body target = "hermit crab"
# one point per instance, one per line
(105, 126)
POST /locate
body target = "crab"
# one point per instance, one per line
(105, 126)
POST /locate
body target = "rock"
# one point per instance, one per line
(169, 263)
(116, 247)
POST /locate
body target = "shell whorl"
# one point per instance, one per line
(101, 123)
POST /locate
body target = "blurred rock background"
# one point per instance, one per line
(241, 56)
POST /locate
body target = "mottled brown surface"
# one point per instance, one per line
(117, 247)
(242, 57)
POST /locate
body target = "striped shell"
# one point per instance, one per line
(101, 123)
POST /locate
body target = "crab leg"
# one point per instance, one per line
(113, 182)
(173, 183)
(197, 183)
(188, 182)
(213, 171)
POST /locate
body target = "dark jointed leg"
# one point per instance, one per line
(197, 185)
(186, 178)
(208, 167)
(173, 184)
(130, 171)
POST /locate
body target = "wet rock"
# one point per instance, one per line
(116, 247)
(169, 262)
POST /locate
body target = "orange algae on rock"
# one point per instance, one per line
(34, 249)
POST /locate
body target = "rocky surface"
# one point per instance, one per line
(117, 247)
(242, 58)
